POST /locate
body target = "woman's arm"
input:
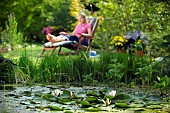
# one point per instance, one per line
(89, 33)
(63, 33)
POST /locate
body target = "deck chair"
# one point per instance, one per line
(73, 45)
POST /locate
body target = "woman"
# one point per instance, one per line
(83, 29)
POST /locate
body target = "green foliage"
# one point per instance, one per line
(163, 82)
(39, 14)
(7, 72)
(115, 72)
(118, 17)
(10, 36)
(11, 73)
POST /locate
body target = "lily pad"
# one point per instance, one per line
(122, 105)
(92, 99)
(93, 109)
(49, 97)
(68, 112)
(154, 107)
(81, 94)
(121, 97)
(84, 103)
(136, 109)
(136, 105)
(25, 103)
(27, 93)
(34, 102)
(64, 101)
(153, 103)
(56, 108)
(91, 93)
(152, 97)
(66, 94)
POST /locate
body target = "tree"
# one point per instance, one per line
(126, 15)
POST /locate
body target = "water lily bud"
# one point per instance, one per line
(112, 93)
(57, 92)
(71, 94)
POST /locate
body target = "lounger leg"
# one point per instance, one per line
(59, 50)
(42, 52)
(52, 51)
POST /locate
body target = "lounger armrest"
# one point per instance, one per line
(86, 36)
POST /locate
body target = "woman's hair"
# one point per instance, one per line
(82, 15)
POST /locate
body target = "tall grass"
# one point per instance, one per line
(10, 73)
(110, 67)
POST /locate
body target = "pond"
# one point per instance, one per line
(72, 99)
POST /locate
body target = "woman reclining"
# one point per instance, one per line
(83, 29)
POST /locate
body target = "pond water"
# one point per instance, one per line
(70, 99)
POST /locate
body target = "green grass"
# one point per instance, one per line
(33, 51)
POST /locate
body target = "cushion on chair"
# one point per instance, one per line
(49, 44)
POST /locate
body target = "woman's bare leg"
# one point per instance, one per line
(50, 38)
(54, 39)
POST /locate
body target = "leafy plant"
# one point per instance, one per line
(163, 83)
(115, 72)
(10, 37)
(11, 73)
(138, 45)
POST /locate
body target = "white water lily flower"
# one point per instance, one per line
(107, 102)
(112, 93)
(71, 94)
(57, 92)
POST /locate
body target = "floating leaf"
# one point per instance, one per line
(137, 109)
(84, 103)
(68, 112)
(31, 106)
(90, 93)
(49, 97)
(152, 97)
(27, 93)
(66, 94)
(92, 99)
(93, 109)
(33, 102)
(42, 107)
(122, 105)
(56, 108)
(153, 103)
(64, 101)
(154, 107)
(136, 105)
(24, 103)
(121, 97)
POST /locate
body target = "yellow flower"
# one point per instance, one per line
(121, 39)
(117, 39)
(119, 44)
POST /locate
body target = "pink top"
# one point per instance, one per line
(81, 28)
(46, 30)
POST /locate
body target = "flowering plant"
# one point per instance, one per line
(118, 42)
(138, 45)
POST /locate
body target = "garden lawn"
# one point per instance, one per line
(31, 50)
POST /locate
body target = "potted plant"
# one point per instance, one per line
(139, 48)
(119, 43)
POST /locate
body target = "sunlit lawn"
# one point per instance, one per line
(32, 51)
